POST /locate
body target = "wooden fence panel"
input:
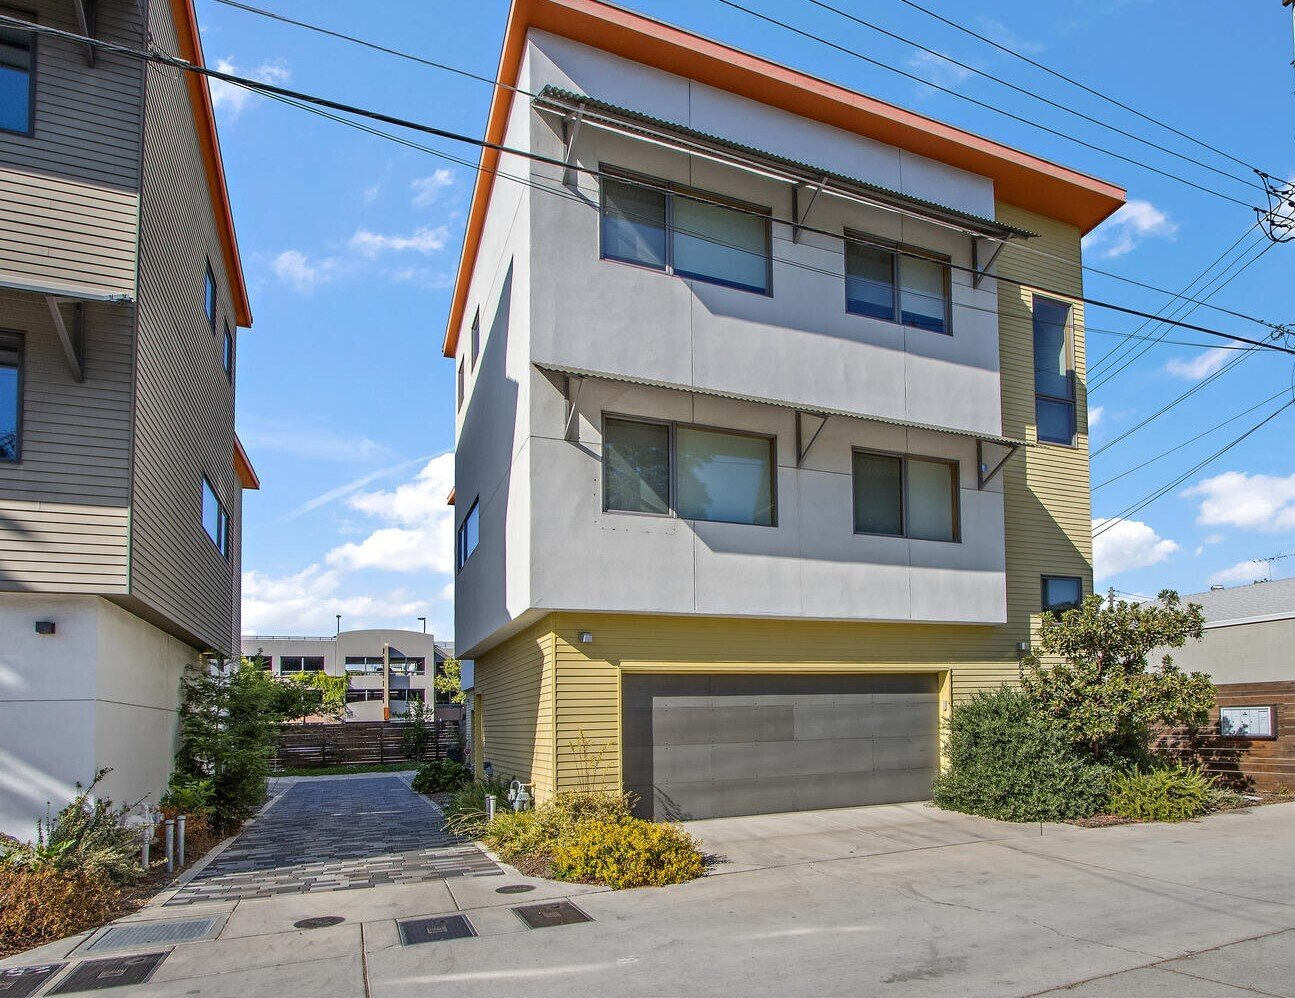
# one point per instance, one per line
(362, 742)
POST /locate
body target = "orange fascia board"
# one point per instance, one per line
(449, 499)
(243, 467)
(1019, 178)
(204, 117)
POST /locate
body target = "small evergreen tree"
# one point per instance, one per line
(417, 733)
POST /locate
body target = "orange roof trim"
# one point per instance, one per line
(190, 45)
(1019, 178)
(243, 467)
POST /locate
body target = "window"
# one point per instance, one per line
(690, 233)
(209, 299)
(1062, 592)
(367, 665)
(214, 519)
(1247, 722)
(458, 398)
(696, 472)
(301, 663)
(476, 338)
(10, 396)
(900, 496)
(1054, 374)
(469, 534)
(227, 356)
(17, 78)
(898, 285)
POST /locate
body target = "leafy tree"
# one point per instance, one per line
(417, 732)
(1104, 694)
(229, 726)
(450, 682)
(308, 693)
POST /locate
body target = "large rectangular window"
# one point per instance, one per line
(903, 496)
(301, 663)
(690, 233)
(696, 472)
(1054, 371)
(17, 78)
(10, 396)
(1062, 592)
(897, 284)
(214, 519)
(469, 534)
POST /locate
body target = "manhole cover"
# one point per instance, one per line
(136, 935)
(539, 916)
(435, 930)
(319, 922)
(16, 982)
(515, 889)
(112, 973)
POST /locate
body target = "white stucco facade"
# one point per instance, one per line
(106, 681)
(547, 300)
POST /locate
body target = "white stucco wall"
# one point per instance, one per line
(102, 691)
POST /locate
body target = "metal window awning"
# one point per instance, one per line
(807, 430)
(69, 325)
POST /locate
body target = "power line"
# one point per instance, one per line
(520, 90)
(1247, 181)
(273, 89)
(982, 104)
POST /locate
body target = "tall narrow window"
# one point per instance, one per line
(634, 223)
(898, 496)
(17, 75)
(469, 534)
(1054, 373)
(923, 293)
(932, 499)
(214, 519)
(476, 338)
(227, 354)
(458, 396)
(870, 281)
(898, 285)
(209, 298)
(636, 466)
(878, 494)
(10, 396)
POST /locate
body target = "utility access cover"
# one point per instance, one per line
(112, 973)
(540, 916)
(17, 982)
(138, 935)
(434, 930)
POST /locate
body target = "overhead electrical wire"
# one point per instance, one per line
(236, 4)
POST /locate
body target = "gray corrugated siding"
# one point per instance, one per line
(68, 202)
(64, 508)
(185, 412)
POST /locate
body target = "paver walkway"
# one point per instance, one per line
(337, 834)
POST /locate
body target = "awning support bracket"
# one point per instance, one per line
(985, 474)
(983, 271)
(72, 340)
(802, 216)
(85, 20)
(573, 410)
(570, 132)
(802, 447)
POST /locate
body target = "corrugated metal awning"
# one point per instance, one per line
(813, 410)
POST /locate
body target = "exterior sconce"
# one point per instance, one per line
(586, 637)
(44, 627)
(1022, 647)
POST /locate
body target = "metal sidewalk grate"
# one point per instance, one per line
(435, 930)
(132, 935)
(540, 916)
(94, 975)
(18, 982)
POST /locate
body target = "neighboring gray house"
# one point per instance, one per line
(1249, 634)
(121, 478)
(414, 660)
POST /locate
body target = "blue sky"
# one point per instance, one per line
(350, 242)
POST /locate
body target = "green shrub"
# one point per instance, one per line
(1008, 762)
(441, 775)
(466, 813)
(627, 853)
(417, 733)
(40, 905)
(189, 795)
(537, 833)
(88, 836)
(1166, 793)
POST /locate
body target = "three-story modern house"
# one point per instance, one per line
(771, 435)
(121, 478)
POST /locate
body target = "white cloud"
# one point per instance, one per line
(314, 443)
(232, 99)
(1242, 571)
(1095, 415)
(306, 602)
(418, 527)
(370, 193)
(1251, 502)
(1005, 36)
(1214, 539)
(349, 488)
(424, 277)
(1128, 544)
(938, 69)
(299, 271)
(428, 189)
(425, 240)
(1127, 228)
(1200, 366)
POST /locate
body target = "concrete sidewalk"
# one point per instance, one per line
(899, 898)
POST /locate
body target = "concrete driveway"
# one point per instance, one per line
(898, 899)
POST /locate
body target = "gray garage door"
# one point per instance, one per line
(710, 746)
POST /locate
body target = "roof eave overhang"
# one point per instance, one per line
(1020, 179)
(247, 476)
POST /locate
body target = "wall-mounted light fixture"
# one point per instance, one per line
(586, 637)
(1022, 647)
(44, 627)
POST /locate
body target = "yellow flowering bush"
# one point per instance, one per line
(627, 853)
